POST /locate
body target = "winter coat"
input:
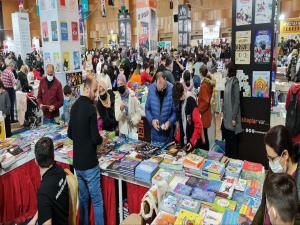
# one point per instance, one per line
(204, 99)
(163, 114)
(128, 121)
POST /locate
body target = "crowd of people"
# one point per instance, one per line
(180, 106)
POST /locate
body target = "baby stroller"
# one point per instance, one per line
(33, 115)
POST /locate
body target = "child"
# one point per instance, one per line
(5, 108)
(68, 102)
(282, 199)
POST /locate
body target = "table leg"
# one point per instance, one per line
(120, 199)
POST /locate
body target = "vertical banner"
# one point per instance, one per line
(85, 8)
(184, 26)
(124, 30)
(103, 8)
(146, 24)
(252, 47)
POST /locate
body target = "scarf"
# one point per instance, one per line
(106, 103)
(183, 114)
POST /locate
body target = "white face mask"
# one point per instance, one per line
(50, 78)
(276, 167)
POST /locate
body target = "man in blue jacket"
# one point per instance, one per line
(160, 110)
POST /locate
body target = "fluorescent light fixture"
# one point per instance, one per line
(218, 23)
(111, 31)
(281, 17)
(203, 24)
(8, 38)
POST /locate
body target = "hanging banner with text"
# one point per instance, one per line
(124, 30)
(184, 26)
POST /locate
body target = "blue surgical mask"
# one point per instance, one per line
(276, 167)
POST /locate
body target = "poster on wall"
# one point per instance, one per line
(62, 3)
(243, 12)
(262, 47)
(143, 34)
(45, 31)
(66, 58)
(261, 84)
(263, 11)
(57, 62)
(242, 45)
(47, 58)
(74, 79)
(74, 26)
(54, 31)
(64, 31)
(76, 59)
(76, 91)
(53, 4)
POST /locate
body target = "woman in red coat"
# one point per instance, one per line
(190, 125)
(206, 91)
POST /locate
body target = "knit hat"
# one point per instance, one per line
(121, 78)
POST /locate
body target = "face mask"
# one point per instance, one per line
(67, 98)
(49, 78)
(103, 97)
(121, 89)
(187, 83)
(276, 167)
(105, 71)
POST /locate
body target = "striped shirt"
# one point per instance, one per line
(8, 78)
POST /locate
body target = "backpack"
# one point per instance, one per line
(293, 115)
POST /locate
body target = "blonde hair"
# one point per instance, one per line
(24, 69)
(295, 52)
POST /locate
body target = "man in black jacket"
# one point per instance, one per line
(84, 133)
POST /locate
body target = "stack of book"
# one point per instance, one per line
(186, 217)
(189, 204)
(196, 182)
(213, 169)
(252, 171)
(171, 164)
(145, 171)
(127, 166)
(205, 196)
(193, 164)
(162, 175)
(210, 217)
(235, 218)
(215, 156)
(164, 218)
(221, 204)
(201, 152)
(183, 189)
(170, 203)
(234, 168)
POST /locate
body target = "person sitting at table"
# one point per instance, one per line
(283, 158)
(53, 194)
(127, 108)
(106, 107)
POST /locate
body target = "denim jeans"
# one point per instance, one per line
(89, 184)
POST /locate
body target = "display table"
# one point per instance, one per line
(19, 185)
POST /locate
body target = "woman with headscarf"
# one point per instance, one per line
(127, 108)
(106, 107)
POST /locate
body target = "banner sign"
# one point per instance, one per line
(85, 8)
(210, 33)
(290, 26)
(184, 26)
(124, 30)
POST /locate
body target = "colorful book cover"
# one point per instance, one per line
(201, 152)
(214, 167)
(251, 166)
(47, 58)
(162, 175)
(164, 218)
(188, 218)
(76, 59)
(215, 155)
(45, 31)
(241, 185)
(214, 185)
(261, 84)
(183, 189)
(263, 11)
(235, 218)
(226, 189)
(170, 203)
(221, 204)
(66, 58)
(193, 160)
(210, 217)
(64, 31)
(74, 26)
(205, 196)
(262, 47)
(189, 204)
(54, 31)
(243, 12)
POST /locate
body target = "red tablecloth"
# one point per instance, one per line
(135, 195)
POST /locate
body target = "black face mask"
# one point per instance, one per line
(187, 83)
(121, 89)
(104, 96)
(105, 71)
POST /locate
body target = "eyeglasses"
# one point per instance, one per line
(272, 158)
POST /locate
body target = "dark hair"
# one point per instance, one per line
(1, 84)
(204, 70)
(88, 82)
(169, 61)
(279, 139)
(177, 92)
(186, 76)
(163, 58)
(44, 152)
(122, 66)
(145, 66)
(67, 90)
(231, 69)
(281, 193)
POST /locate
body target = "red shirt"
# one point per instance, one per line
(8, 78)
(37, 75)
(293, 89)
(145, 77)
(50, 95)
